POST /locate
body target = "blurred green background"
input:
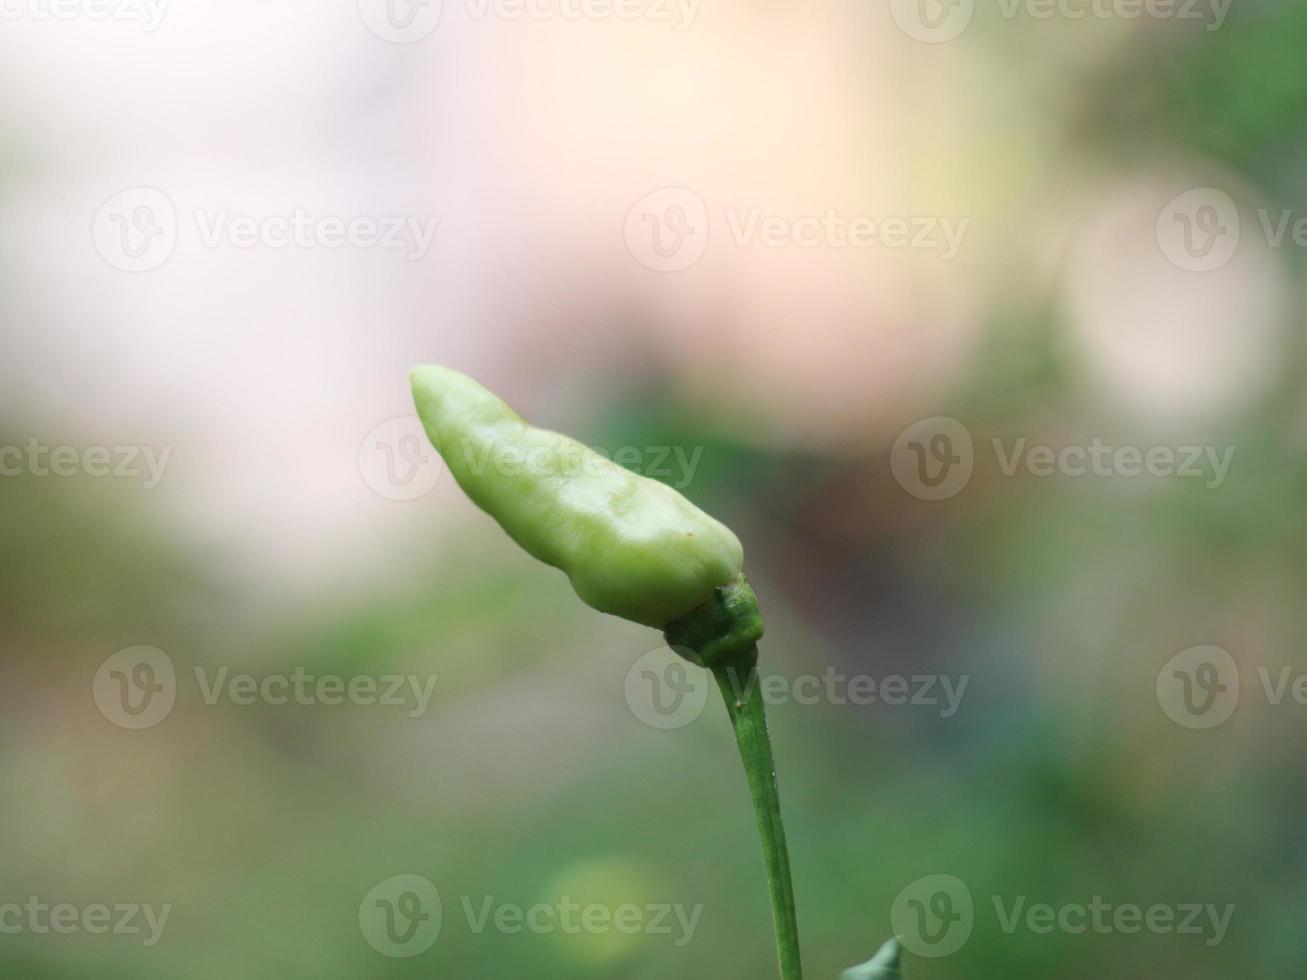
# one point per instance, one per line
(531, 775)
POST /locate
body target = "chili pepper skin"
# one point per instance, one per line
(631, 546)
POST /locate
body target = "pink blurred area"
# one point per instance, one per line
(531, 141)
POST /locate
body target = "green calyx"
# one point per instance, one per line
(724, 631)
(631, 546)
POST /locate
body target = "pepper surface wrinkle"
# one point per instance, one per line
(631, 546)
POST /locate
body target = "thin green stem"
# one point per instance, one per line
(743, 695)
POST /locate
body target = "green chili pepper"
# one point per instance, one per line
(885, 965)
(631, 546)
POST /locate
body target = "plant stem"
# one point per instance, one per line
(743, 695)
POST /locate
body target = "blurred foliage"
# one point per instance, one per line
(529, 777)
